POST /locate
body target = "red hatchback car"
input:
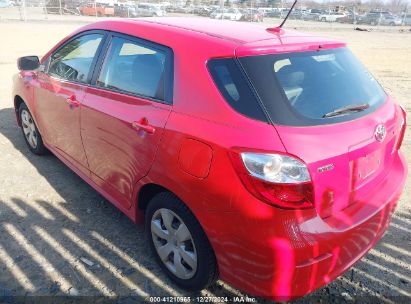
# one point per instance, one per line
(264, 157)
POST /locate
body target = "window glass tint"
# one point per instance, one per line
(234, 87)
(312, 84)
(133, 68)
(73, 61)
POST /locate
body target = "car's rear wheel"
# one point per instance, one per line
(179, 243)
(31, 133)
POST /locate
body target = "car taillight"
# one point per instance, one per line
(403, 126)
(276, 179)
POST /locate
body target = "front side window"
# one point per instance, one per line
(134, 68)
(74, 60)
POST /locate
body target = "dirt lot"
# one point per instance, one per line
(50, 220)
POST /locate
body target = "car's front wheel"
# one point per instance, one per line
(179, 243)
(31, 133)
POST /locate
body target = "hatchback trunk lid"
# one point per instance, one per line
(345, 160)
(330, 112)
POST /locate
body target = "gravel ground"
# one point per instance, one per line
(60, 237)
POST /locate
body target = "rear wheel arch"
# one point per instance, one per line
(146, 193)
(154, 197)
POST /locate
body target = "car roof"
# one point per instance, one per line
(238, 32)
(240, 37)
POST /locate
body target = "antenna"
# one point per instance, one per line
(288, 14)
(279, 29)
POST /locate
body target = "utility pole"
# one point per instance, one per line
(24, 10)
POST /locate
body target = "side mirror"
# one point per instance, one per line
(28, 63)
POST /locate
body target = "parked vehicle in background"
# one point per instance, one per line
(125, 11)
(67, 7)
(370, 18)
(217, 14)
(53, 7)
(72, 7)
(297, 14)
(96, 9)
(150, 10)
(265, 10)
(252, 15)
(228, 14)
(380, 18)
(178, 9)
(195, 9)
(284, 11)
(312, 14)
(331, 16)
(406, 20)
(32, 3)
(274, 13)
(390, 20)
(349, 17)
(205, 11)
(5, 3)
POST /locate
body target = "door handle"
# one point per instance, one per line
(143, 125)
(72, 102)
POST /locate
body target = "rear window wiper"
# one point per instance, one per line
(347, 109)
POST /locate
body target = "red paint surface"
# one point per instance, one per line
(195, 158)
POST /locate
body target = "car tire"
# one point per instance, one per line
(30, 131)
(323, 19)
(203, 271)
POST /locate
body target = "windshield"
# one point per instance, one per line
(302, 88)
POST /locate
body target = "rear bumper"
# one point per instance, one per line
(283, 254)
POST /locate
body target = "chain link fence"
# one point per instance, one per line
(305, 15)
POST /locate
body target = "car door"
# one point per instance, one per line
(60, 92)
(124, 114)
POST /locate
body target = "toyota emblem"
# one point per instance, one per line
(380, 132)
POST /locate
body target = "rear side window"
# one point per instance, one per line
(305, 88)
(134, 68)
(74, 60)
(233, 85)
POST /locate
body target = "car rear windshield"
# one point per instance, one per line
(300, 89)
